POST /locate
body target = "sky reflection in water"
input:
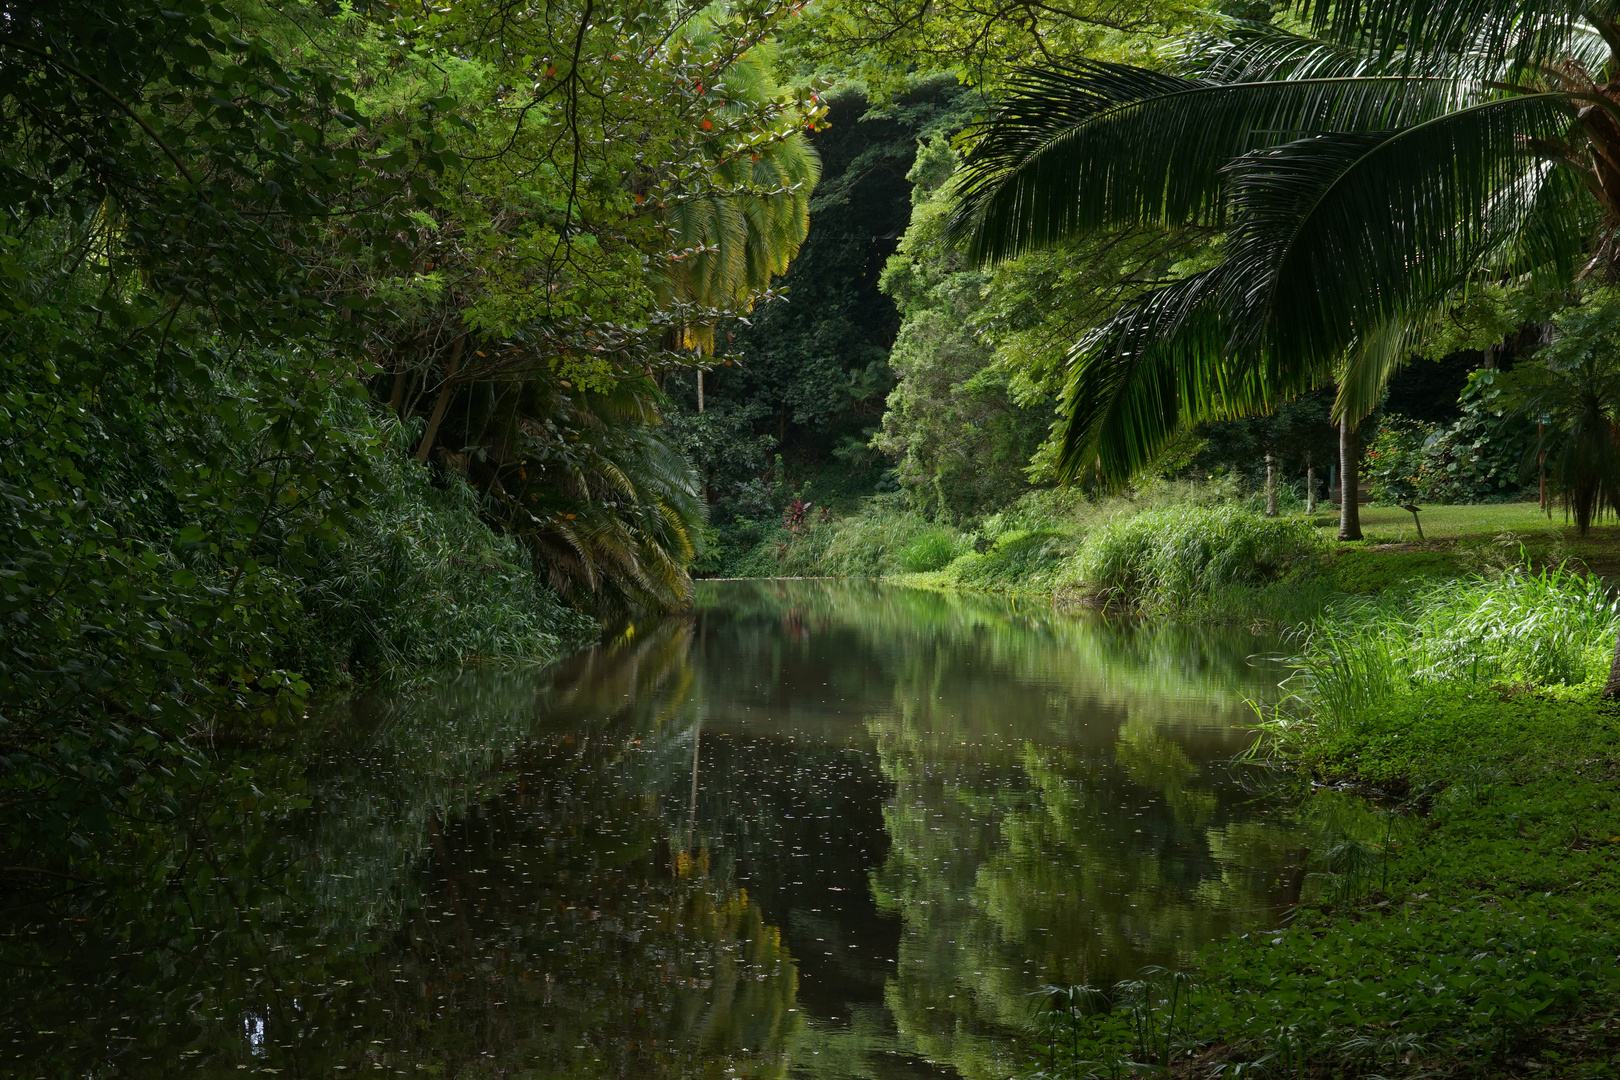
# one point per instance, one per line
(827, 830)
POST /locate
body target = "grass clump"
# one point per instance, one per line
(931, 550)
(1175, 559)
(1370, 670)
(1023, 559)
(874, 542)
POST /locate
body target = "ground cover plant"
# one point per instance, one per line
(1461, 924)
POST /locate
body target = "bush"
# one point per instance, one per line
(1032, 559)
(1394, 462)
(872, 543)
(1480, 458)
(422, 581)
(1177, 558)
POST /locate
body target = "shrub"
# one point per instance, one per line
(1023, 558)
(1394, 462)
(874, 542)
(422, 581)
(1177, 557)
(1480, 458)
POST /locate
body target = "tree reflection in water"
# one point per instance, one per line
(813, 830)
(474, 892)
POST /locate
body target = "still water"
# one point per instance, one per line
(813, 830)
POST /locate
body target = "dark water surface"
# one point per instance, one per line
(815, 830)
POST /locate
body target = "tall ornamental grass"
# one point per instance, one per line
(1178, 557)
(1518, 630)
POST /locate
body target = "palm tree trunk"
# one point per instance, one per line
(1271, 484)
(1349, 482)
(1310, 484)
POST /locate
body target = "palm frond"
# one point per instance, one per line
(1370, 363)
(1079, 148)
(1160, 364)
(1242, 51)
(1338, 234)
(1502, 30)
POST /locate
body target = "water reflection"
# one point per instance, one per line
(812, 830)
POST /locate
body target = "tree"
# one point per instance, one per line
(1572, 391)
(979, 355)
(1359, 179)
(628, 180)
(885, 44)
(171, 345)
(809, 370)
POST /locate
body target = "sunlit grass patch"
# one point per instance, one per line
(1378, 681)
(1392, 525)
(1465, 925)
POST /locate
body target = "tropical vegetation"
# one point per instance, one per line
(351, 342)
(332, 338)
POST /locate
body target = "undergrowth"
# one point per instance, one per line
(1198, 552)
(420, 581)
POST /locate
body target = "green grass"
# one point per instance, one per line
(1469, 930)
(1051, 545)
(1392, 525)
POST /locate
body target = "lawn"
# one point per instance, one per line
(1392, 525)
(1465, 539)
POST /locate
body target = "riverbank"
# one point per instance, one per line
(1209, 557)
(1462, 921)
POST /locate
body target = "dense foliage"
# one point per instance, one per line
(238, 241)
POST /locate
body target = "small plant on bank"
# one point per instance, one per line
(929, 551)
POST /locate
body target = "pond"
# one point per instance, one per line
(813, 829)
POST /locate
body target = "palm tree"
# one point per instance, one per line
(1356, 180)
(1572, 391)
(604, 500)
(732, 238)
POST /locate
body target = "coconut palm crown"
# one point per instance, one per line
(1357, 177)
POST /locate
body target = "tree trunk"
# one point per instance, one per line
(1271, 484)
(439, 407)
(1310, 484)
(700, 389)
(1349, 482)
(396, 397)
(1541, 464)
